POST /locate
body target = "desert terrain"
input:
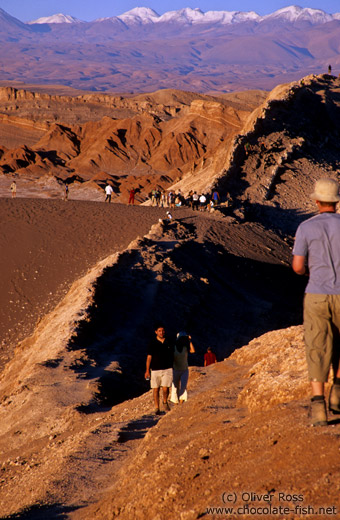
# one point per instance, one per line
(83, 283)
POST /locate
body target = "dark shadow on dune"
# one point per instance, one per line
(43, 512)
(137, 429)
(275, 218)
(223, 299)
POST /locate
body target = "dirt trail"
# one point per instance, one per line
(209, 448)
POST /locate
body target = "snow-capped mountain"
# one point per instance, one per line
(294, 13)
(139, 15)
(189, 49)
(196, 16)
(56, 18)
(145, 15)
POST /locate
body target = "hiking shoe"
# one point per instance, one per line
(334, 399)
(166, 406)
(158, 412)
(318, 410)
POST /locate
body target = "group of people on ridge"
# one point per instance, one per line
(195, 200)
(172, 199)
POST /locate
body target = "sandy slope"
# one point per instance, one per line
(46, 245)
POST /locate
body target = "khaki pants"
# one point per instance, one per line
(321, 319)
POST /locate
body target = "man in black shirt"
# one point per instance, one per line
(160, 360)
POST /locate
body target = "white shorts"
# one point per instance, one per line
(161, 378)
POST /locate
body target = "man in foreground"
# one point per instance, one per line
(159, 361)
(317, 245)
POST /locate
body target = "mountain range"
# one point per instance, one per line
(142, 51)
(145, 15)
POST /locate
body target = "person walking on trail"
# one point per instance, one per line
(159, 363)
(317, 250)
(203, 201)
(132, 196)
(14, 189)
(108, 191)
(195, 201)
(183, 347)
(216, 197)
(209, 357)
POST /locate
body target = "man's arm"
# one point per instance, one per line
(299, 264)
(148, 363)
(191, 346)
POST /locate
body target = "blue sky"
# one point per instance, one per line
(89, 10)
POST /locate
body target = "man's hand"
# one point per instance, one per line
(148, 364)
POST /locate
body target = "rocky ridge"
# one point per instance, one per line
(178, 140)
(142, 141)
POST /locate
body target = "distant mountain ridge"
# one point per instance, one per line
(188, 49)
(145, 15)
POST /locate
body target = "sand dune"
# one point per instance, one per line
(82, 283)
(46, 245)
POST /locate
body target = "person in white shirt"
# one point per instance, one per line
(203, 200)
(108, 191)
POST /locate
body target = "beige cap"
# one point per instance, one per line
(326, 190)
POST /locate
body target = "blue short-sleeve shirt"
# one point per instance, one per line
(318, 239)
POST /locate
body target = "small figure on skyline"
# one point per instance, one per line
(108, 191)
(195, 201)
(215, 197)
(203, 201)
(163, 200)
(329, 69)
(132, 196)
(171, 199)
(14, 189)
